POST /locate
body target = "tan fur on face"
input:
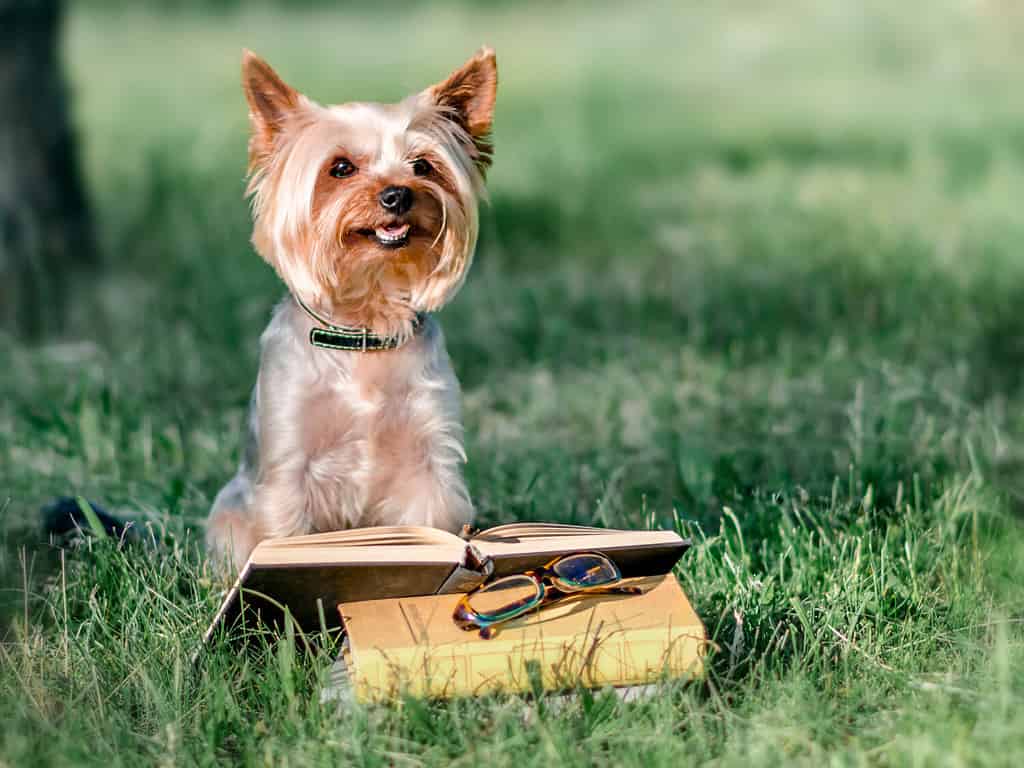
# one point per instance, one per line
(340, 439)
(307, 223)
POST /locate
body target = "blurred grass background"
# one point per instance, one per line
(755, 266)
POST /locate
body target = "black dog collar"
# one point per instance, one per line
(354, 339)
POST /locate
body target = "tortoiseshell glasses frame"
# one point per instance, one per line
(509, 597)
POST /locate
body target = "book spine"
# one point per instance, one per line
(461, 580)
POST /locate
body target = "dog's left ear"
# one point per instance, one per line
(469, 94)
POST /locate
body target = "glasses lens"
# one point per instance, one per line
(586, 571)
(505, 596)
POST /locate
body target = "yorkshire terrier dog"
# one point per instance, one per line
(368, 213)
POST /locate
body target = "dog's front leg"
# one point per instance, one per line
(431, 495)
(313, 456)
(418, 475)
(266, 498)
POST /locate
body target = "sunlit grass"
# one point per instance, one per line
(757, 269)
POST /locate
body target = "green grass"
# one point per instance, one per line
(757, 268)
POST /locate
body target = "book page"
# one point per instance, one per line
(394, 535)
(310, 554)
(568, 539)
(528, 530)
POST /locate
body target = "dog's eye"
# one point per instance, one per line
(342, 167)
(421, 167)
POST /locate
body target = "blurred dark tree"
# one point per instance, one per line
(46, 239)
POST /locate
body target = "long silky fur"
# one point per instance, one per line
(344, 439)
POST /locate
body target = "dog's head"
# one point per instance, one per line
(366, 210)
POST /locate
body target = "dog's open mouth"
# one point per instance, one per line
(393, 235)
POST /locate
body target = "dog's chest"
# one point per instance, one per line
(354, 432)
(369, 411)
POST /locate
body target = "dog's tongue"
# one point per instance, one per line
(392, 231)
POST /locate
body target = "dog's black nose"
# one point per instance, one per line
(396, 200)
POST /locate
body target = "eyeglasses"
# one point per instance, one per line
(511, 596)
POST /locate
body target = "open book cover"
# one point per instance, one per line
(406, 561)
(412, 646)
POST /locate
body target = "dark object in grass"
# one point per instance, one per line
(65, 519)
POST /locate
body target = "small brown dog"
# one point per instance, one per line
(368, 213)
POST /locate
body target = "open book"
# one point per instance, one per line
(407, 561)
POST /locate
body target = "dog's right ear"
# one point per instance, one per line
(270, 100)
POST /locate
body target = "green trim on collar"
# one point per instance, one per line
(354, 339)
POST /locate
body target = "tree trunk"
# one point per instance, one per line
(45, 232)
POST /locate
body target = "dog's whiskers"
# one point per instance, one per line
(443, 229)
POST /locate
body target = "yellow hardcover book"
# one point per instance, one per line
(411, 645)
